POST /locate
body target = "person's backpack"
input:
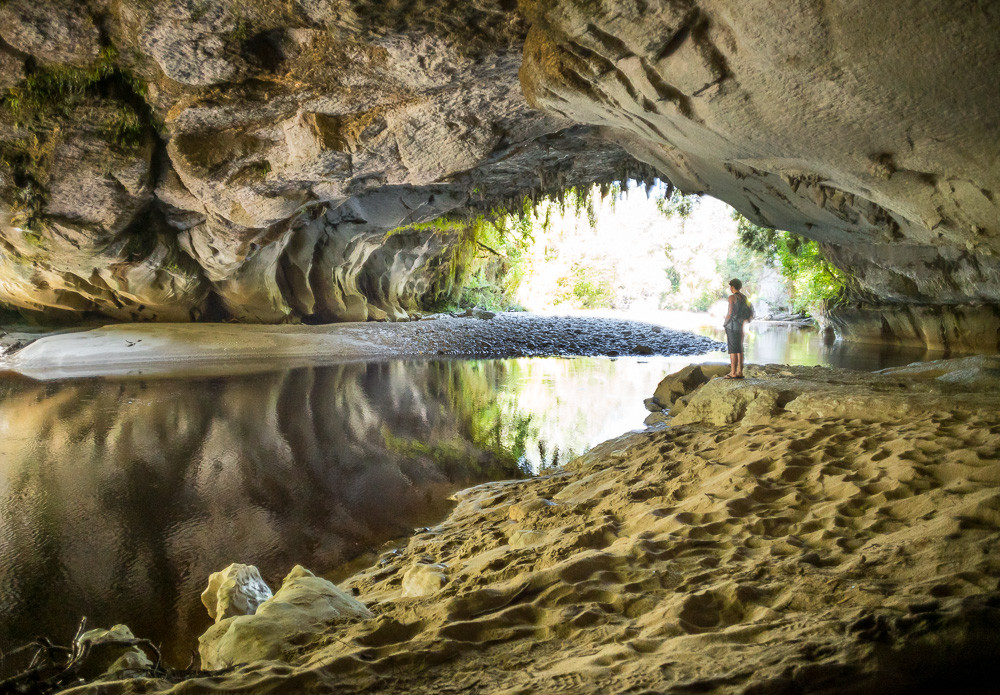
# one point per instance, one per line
(745, 310)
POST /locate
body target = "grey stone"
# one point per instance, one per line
(188, 54)
(60, 32)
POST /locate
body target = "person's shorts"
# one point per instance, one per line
(734, 339)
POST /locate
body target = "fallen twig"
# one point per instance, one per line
(54, 667)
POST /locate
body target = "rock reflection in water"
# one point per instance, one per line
(117, 499)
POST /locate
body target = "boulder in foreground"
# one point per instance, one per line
(236, 590)
(305, 603)
(683, 382)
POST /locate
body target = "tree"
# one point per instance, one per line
(811, 278)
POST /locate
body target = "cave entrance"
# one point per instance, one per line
(645, 251)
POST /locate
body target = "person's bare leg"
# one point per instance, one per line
(739, 363)
(733, 361)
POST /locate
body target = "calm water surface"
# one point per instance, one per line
(119, 497)
(766, 343)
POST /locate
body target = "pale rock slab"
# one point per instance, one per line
(424, 580)
(305, 604)
(724, 402)
(236, 590)
(681, 383)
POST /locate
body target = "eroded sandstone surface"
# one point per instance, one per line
(184, 160)
(804, 530)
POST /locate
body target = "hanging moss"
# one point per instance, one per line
(50, 98)
(488, 258)
(28, 163)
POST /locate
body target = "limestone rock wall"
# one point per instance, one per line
(870, 127)
(963, 328)
(183, 160)
(188, 159)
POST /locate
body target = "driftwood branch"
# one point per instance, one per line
(54, 667)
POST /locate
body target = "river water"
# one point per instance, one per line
(118, 497)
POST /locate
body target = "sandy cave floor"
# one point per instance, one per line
(805, 530)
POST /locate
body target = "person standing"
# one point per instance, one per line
(739, 313)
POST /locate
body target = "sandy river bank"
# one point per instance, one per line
(150, 348)
(804, 530)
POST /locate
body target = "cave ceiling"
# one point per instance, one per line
(184, 159)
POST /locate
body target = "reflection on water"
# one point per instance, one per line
(783, 344)
(118, 498)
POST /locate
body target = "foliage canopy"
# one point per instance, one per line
(811, 279)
